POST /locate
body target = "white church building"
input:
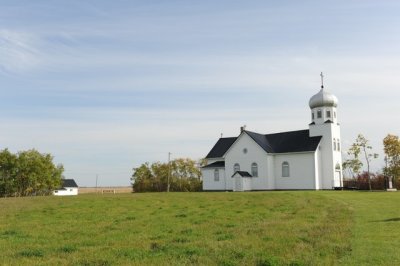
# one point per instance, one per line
(303, 159)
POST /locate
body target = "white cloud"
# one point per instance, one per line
(18, 51)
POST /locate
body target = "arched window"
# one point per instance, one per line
(338, 145)
(236, 167)
(328, 114)
(312, 115)
(254, 169)
(337, 167)
(285, 169)
(334, 144)
(216, 175)
(319, 113)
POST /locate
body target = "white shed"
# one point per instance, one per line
(68, 188)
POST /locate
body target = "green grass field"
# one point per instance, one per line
(257, 228)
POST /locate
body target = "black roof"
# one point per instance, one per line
(242, 174)
(215, 164)
(68, 183)
(221, 147)
(292, 141)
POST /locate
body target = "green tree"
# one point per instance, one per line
(391, 144)
(353, 165)
(28, 173)
(142, 177)
(361, 146)
(37, 173)
(184, 176)
(8, 168)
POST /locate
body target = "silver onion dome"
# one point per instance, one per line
(323, 98)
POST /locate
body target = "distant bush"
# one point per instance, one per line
(183, 174)
(360, 182)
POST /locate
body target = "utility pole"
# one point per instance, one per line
(97, 177)
(169, 170)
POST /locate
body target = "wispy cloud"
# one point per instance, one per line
(18, 51)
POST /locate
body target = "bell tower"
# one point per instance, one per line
(324, 122)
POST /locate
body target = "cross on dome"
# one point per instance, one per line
(323, 98)
(322, 80)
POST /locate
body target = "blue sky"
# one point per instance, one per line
(107, 85)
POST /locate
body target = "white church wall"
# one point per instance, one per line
(301, 171)
(254, 154)
(337, 154)
(329, 156)
(209, 182)
(318, 168)
(271, 184)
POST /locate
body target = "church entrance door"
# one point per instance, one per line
(238, 183)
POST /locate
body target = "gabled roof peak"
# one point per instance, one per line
(242, 174)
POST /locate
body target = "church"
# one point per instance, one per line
(303, 159)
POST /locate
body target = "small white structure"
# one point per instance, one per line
(303, 159)
(69, 188)
(242, 181)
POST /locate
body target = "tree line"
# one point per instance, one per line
(361, 151)
(178, 175)
(28, 173)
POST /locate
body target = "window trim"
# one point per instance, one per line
(254, 166)
(234, 167)
(285, 165)
(216, 175)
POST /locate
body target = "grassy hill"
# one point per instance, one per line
(257, 228)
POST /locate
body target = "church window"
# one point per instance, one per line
(312, 115)
(216, 175)
(254, 169)
(334, 144)
(338, 145)
(328, 114)
(319, 113)
(285, 169)
(236, 167)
